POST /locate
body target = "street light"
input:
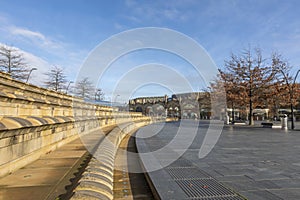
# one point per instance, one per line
(30, 73)
(116, 98)
(292, 93)
(223, 76)
(68, 86)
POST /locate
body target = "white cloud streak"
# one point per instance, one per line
(35, 37)
(27, 33)
(41, 50)
(156, 12)
(33, 61)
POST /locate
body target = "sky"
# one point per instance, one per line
(66, 33)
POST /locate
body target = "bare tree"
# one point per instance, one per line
(289, 86)
(13, 63)
(56, 79)
(84, 88)
(252, 76)
(99, 94)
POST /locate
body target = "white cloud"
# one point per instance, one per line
(27, 33)
(19, 35)
(156, 12)
(130, 3)
(37, 77)
(119, 26)
(170, 13)
(42, 50)
(35, 37)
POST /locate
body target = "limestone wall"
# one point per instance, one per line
(35, 121)
(97, 181)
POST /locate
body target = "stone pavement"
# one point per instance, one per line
(259, 163)
(42, 178)
(254, 162)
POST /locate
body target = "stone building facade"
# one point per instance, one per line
(185, 105)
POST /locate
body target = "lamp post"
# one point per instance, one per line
(292, 93)
(30, 73)
(68, 86)
(225, 78)
(115, 102)
(116, 98)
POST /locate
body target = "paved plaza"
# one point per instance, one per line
(251, 162)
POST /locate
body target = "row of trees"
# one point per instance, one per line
(12, 62)
(252, 81)
(84, 88)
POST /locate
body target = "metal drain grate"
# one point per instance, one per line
(205, 188)
(186, 173)
(219, 198)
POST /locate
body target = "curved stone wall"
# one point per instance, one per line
(97, 179)
(35, 121)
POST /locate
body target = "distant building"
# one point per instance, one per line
(186, 105)
(198, 105)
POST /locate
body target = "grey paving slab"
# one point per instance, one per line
(290, 194)
(268, 184)
(259, 163)
(288, 183)
(261, 195)
(232, 178)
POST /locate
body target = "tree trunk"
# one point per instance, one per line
(251, 122)
(232, 113)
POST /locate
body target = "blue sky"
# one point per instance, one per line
(63, 33)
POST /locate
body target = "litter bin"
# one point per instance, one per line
(284, 120)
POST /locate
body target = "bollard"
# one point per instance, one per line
(284, 125)
(227, 119)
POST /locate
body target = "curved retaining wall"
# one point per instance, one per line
(35, 121)
(97, 180)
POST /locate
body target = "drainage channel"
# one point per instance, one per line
(129, 185)
(70, 182)
(100, 180)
